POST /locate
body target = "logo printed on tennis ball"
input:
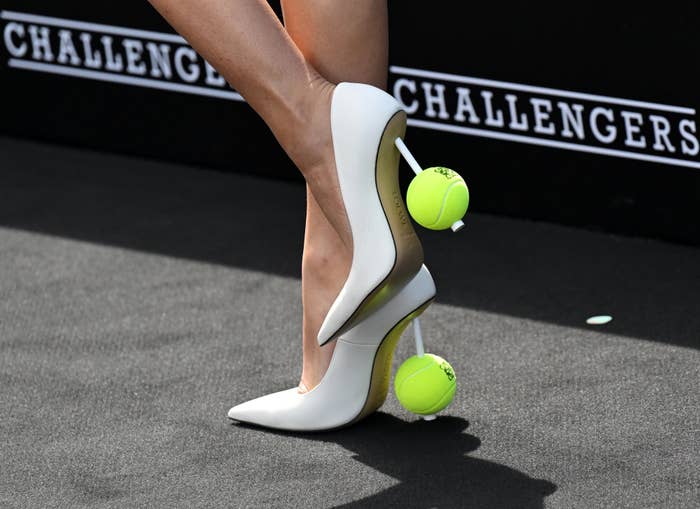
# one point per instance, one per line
(425, 385)
(445, 366)
(445, 172)
(437, 197)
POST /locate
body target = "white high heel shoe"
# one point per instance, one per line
(365, 122)
(357, 379)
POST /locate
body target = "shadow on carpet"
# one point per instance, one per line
(431, 462)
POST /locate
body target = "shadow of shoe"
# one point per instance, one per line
(431, 463)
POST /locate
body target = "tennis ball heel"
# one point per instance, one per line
(437, 197)
(425, 383)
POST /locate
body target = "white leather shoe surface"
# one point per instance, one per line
(342, 393)
(360, 115)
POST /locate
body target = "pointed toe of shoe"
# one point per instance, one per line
(266, 410)
(240, 412)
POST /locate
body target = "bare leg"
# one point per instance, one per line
(280, 79)
(246, 43)
(345, 41)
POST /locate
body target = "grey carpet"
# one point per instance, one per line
(140, 300)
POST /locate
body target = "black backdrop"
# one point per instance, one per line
(619, 50)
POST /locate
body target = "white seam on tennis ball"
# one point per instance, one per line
(412, 375)
(444, 199)
(441, 396)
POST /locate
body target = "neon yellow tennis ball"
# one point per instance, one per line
(437, 197)
(425, 385)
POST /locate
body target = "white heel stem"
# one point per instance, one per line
(418, 335)
(408, 156)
